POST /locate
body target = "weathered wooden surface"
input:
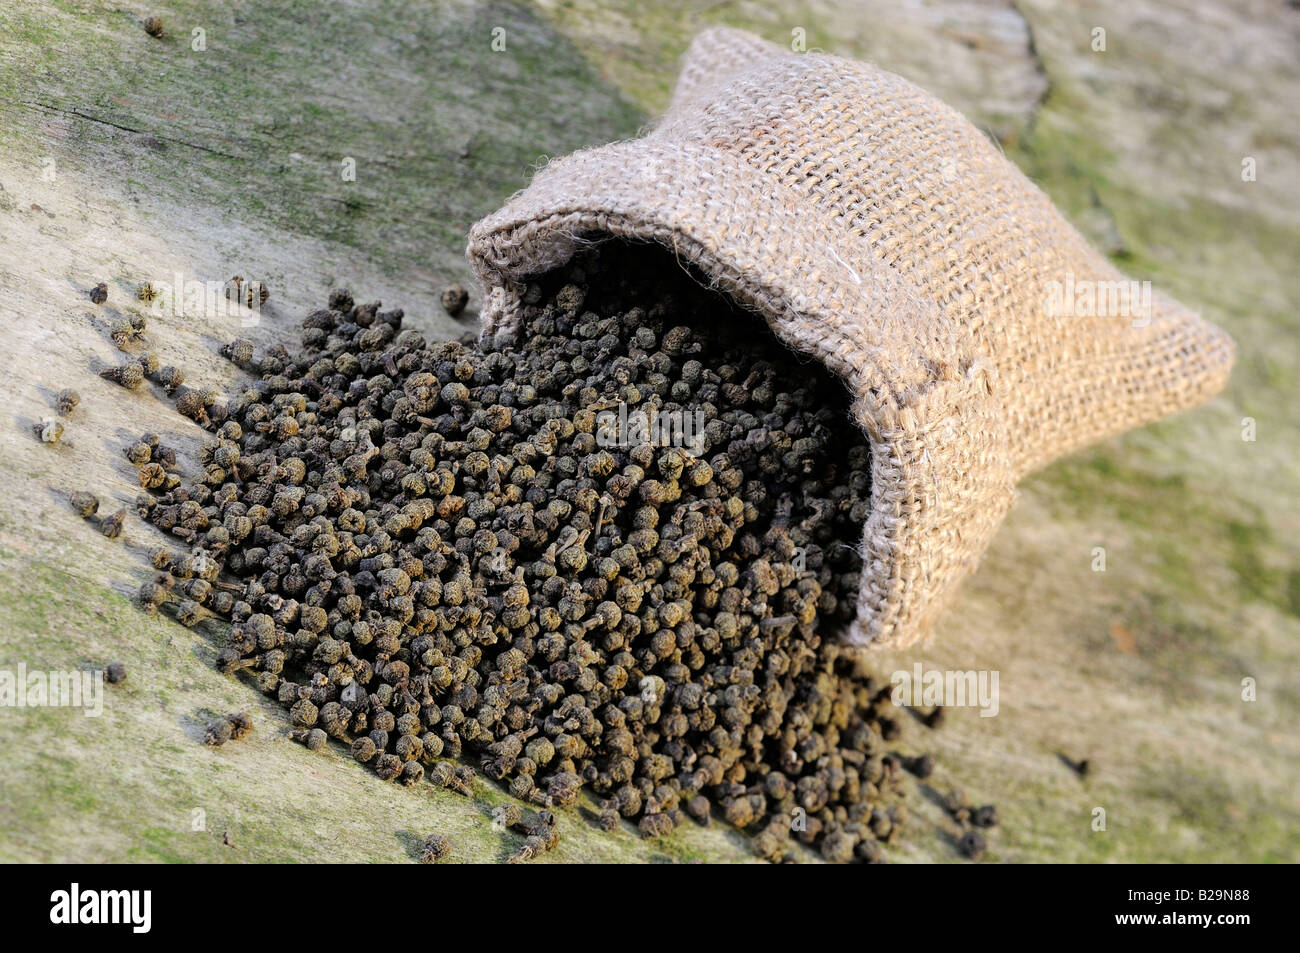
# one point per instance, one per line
(208, 163)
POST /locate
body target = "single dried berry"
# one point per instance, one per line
(168, 377)
(972, 845)
(534, 846)
(454, 300)
(151, 595)
(313, 739)
(193, 404)
(48, 430)
(241, 725)
(922, 766)
(115, 673)
(152, 476)
(218, 732)
(436, 847)
(130, 375)
(153, 25)
(139, 453)
(99, 293)
(239, 352)
(84, 504)
(111, 526)
(363, 749)
(66, 401)
(985, 816)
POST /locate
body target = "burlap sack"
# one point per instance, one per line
(874, 227)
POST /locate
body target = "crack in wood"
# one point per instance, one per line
(62, 111)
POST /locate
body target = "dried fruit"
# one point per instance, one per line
(218, 732)
(48, 430)
(239, 352)
(436, 847)
(922, 766)
(111, 526)
(608, 555)
(139, 453)
(83, 503)
(99, 293)
(130, 375)
(454, 299)
(169, 378)
(233, 727)
(314, 739)
(972, 845)
(241, 725)
(67, 401)
(985, 816)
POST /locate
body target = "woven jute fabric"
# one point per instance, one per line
(874, 227)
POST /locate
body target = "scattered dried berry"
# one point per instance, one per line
(241, 725)
(83, 504)
(139, 453)
(314, 739)
(454, 300)
(238, 352)
(67, 401)
(130, 375)
(436, 847)
(169, 378)
(233, 727)
(111, 526)
(985, 816)
(922, 767)
(218, 732)
(48, 430)
(972, 845)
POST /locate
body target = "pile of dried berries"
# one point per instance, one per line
(609, 556)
